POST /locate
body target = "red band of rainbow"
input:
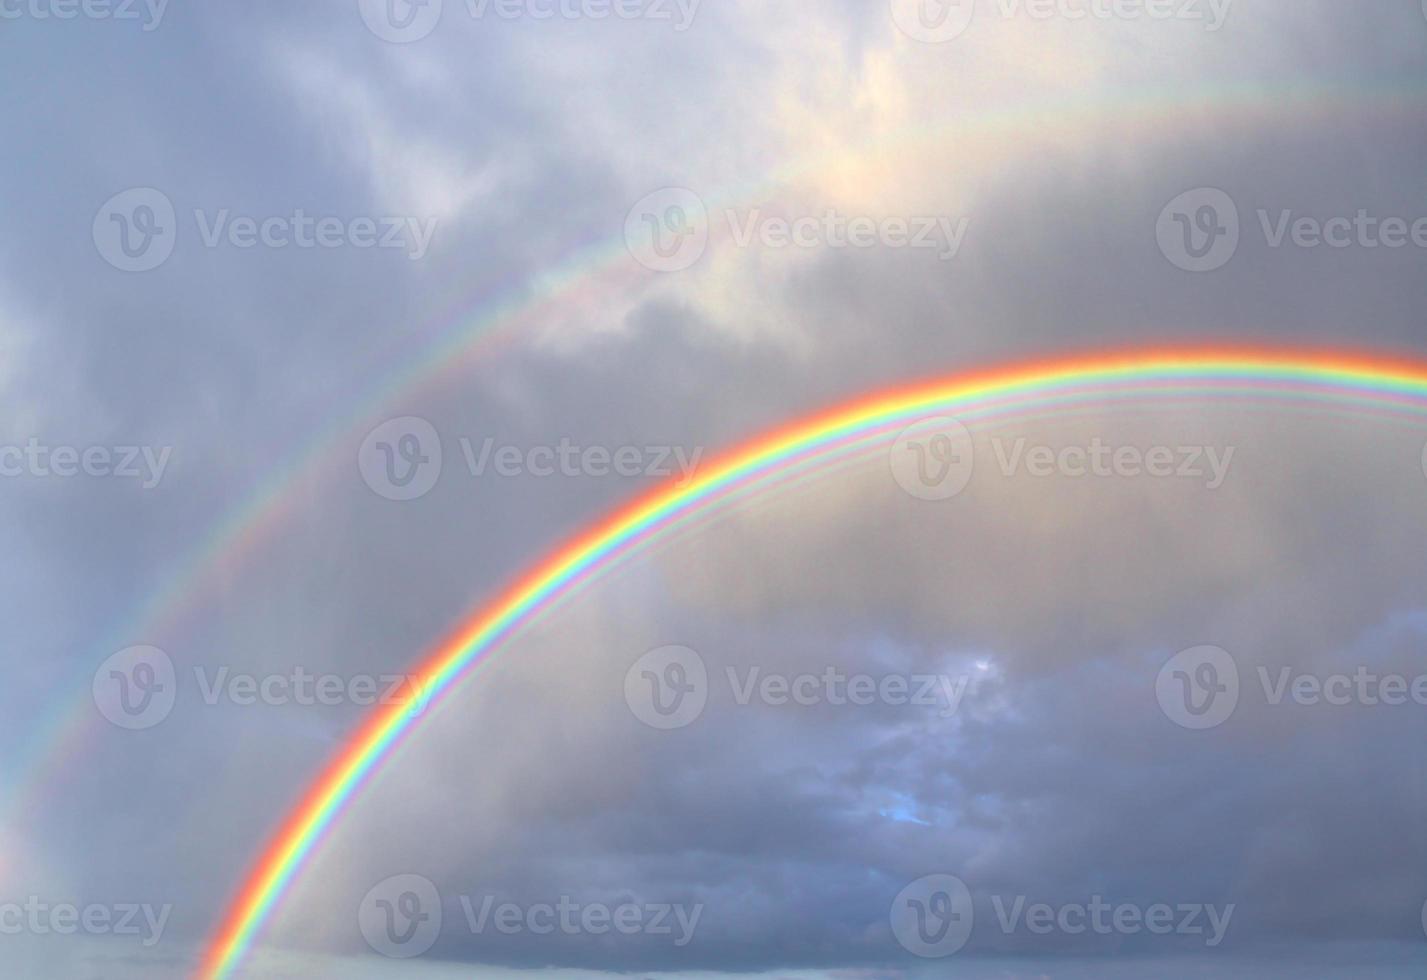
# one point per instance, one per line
(1332, 377)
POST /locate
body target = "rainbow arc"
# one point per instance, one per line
(1341, 381)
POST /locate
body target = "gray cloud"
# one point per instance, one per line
(793, 827)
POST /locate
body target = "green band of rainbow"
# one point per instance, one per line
(1330, 377)
(586, 273)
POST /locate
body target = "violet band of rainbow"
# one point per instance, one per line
(1345, 379)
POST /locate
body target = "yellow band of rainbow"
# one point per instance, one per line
(1318, 376)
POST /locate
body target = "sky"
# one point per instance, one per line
(323, 322)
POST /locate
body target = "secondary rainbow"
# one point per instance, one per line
(590, 270)
(1357, 381)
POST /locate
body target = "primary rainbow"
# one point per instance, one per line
(1355, 380)
(474, 325)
